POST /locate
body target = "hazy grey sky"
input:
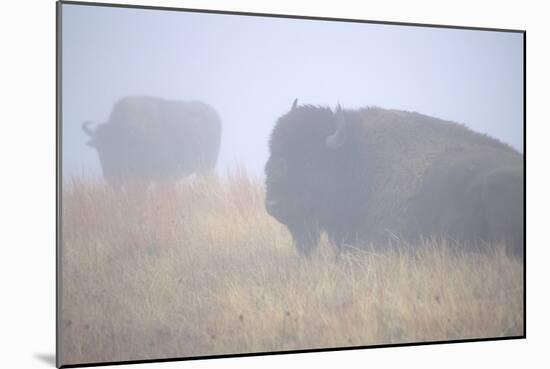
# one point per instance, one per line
(250, 69)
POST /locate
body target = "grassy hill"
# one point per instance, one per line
(200, 269)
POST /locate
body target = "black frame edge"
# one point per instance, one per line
(305, 351)
(288, 16)
(525, 184)
(58, 168)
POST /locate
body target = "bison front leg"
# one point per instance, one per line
(306, 237)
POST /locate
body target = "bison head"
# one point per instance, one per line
(103, 138)
(306, 169)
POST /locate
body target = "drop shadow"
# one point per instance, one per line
(46, 358)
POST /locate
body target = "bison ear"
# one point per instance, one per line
(338, 138)
(294, 104)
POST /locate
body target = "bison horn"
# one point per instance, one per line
(294, 104)
(338, 138)
(86, 128)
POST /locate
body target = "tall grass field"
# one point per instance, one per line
(199, 268)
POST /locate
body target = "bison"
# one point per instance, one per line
(148, 138)
(370, 175)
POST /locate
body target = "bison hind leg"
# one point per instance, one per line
(502, 201)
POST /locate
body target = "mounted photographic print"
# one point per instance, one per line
(239, 184)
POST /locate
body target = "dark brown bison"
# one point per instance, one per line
(370, 175)
(148, 138)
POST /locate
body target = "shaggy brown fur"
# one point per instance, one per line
(398, 175)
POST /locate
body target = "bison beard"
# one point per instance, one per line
(370, 175)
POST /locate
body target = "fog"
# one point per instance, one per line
(250, 69)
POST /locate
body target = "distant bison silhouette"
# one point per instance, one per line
(371, 175)
(148, 138)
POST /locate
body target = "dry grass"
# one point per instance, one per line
(202, 269)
